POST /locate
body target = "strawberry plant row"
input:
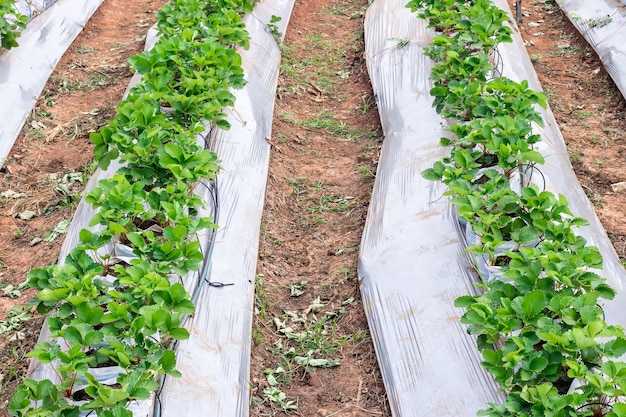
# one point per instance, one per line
(539, 322)
(125, 313)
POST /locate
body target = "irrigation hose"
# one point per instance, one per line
(213, 190)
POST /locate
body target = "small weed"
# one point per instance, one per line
(365, 171)
(359, 13)
(345, 271)
(312, 221)
(331, 203)
(325, 120)
(348, 249)
(272, 27)
(318, 40)
(260, 306)
(334, 10)
(94, 81)
(60, 228)
(318, 186)
(400, 42)
(366, 104)
(11, 291)
(298, 186)
(599, 23)
(613, 133)
(360, 336)
(83, 50)
(297, 289)
(564, 49)
(535, 58)
(575, 156)
(273, 394)
(583, 114)
(15, 318)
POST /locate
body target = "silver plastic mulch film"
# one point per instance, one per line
(24, 70)
(215, 360)
(603, 24)
(412, 263)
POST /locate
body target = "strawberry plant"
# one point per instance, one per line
(11, 23)
(539, 323)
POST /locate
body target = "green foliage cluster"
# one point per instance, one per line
(540, 325)
(11, 23)
(104, 312)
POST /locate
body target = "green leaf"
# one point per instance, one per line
(538, 364)
(431, 175)
(73, 336)
(179, 333)
(178, 293)
(168, 360)
(533, 156)
(222, 124)
(581, 339)
(619, 409)
(93, 338)
(605, 291)
(533, 303)
(48, 294)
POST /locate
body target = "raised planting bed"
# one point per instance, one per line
(542, 324)
(25, 68)
(137, 256)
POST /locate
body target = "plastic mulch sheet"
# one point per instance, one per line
(24, 70)
(412, 263)
(603, 24)
(215, 360)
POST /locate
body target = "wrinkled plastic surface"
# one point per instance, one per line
(24, 70)
(412, 263)
(603, 24)
(215, 360)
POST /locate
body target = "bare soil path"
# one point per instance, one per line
(311, 339)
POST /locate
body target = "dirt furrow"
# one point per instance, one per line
(312, 352)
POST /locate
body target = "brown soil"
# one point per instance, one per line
(588, 107)
(325, 146)
(52, 157)
(326, 137)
